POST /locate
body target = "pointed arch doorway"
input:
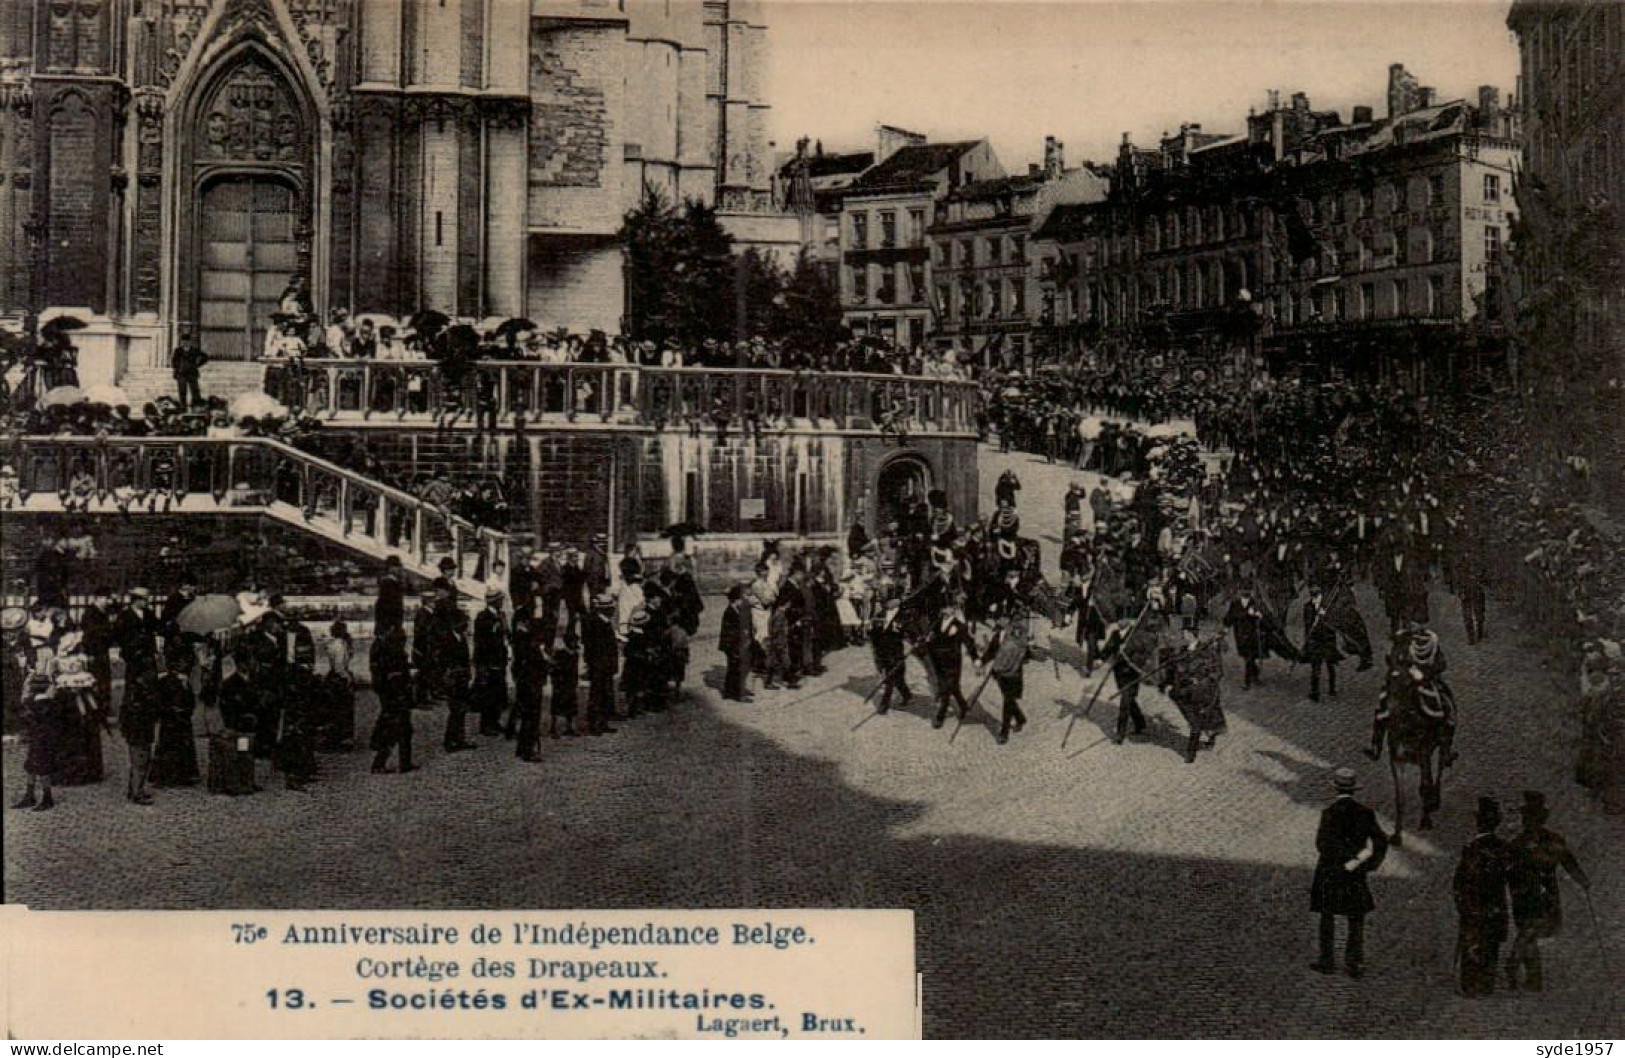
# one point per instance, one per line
(245, 218)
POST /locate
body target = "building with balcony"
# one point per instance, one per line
(886, 215)
(172, 164)
(1359, 242)
(985, 279)
(811, 183)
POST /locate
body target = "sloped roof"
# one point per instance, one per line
(911, 165)
(1004, 185)
(1070, 220)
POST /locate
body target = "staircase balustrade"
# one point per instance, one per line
(515, 393)
(242, 474)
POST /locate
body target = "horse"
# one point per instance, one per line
(1418, 724)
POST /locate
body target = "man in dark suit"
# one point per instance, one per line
(1132, 654)
(735, 643)
(390, 610)
(573, 588)
(392, 679)
(97, 624)
(187, 364)
(1351, 844)
(1533, 858)
(946, 646)
(135, 633)
(1481, 903)
(596, 564)
(440, 649)
(1320, 642)
(490, 691)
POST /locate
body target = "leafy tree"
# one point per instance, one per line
(683, 281)
(807, 311)
(679, 272)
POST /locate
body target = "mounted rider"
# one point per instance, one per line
(1416, 668)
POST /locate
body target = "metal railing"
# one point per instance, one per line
(517, 392)
(235, 474)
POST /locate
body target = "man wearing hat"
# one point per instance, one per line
(135, 633)
(886, 640)
(1006, 658)
(1350, 845)
(490, 690)
(1131, 651)
(1537, 903)
(573, 588)
(1320, 642)
(1004, 491)
(735, 644)
(390, 609)
(440, 655)
(1192, 678)
(946, 646)
(596, 564)
(186, 363)
(601, 652)
(1481, 902)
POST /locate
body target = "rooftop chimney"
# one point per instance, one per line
(1428, 96)
(1275, 99)
(1362, 115)
(1489, 99)
(1402, 91)
(1054, 157)
(1300, 101)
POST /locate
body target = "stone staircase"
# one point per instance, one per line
(225, 379)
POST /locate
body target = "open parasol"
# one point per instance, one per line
(428, 321)
(514, 325)
(108, 394)
(1090, 428)
(257, 405)
(208, 614)
(62, 396)
(63, 323)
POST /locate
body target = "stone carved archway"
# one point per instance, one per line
(247, 121)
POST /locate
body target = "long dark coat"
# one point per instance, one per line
(1481, 889)
(1533, 859)
(1247, 624)
(1319, 633)
(1346, 827)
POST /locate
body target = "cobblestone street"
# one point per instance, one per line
(1062, 885)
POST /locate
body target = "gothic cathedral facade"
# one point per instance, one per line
(171, 164)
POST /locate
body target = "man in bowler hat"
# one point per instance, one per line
(1351, 844)
(1481, 902)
